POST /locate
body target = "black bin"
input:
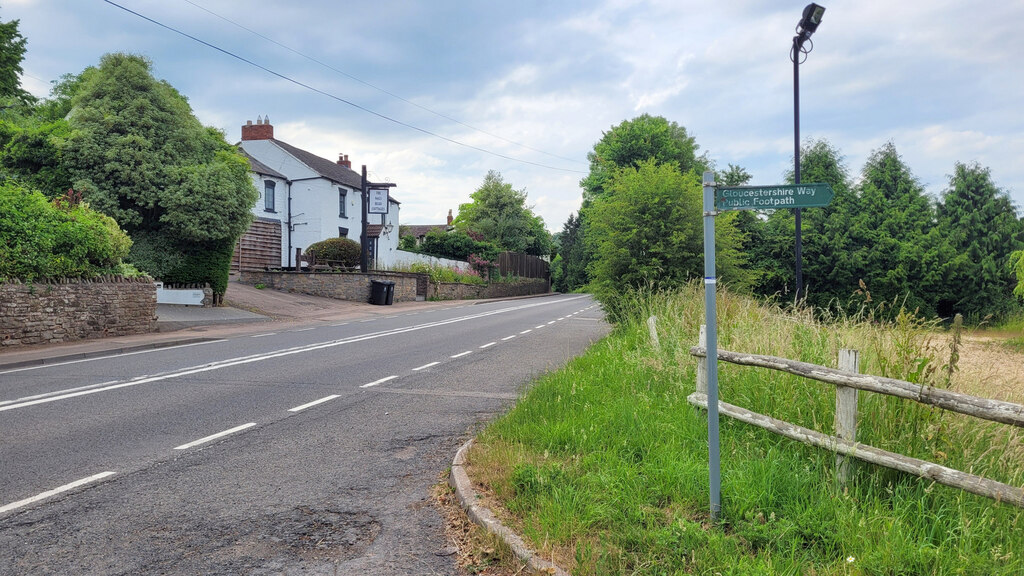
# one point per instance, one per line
(391, 293)
(379, 292)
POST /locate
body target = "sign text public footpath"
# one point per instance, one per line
(772, 197)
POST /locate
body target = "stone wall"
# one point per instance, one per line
(352, 286)
(458, 291)
(75, 310)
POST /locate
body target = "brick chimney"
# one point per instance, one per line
(344, 161)
(261, 130)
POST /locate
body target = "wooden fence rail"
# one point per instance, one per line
(844, 443)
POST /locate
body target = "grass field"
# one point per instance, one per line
(603, 465)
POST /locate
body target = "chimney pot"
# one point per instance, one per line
(261, 130)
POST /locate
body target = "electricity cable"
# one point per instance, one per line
(378, 88)
(338, 98)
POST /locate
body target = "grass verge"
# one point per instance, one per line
(603, 465)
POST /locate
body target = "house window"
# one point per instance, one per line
(268, 195)
(342, 232)
(342, 201)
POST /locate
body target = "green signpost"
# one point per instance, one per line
(718, 200)
(772, 197)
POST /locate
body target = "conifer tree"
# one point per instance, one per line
(981, 224)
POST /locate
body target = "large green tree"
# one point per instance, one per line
(894, 231)
(830, 256)
(12, 52)
(636, 141)
(137, 153)
(981, 224)
(500, 213)
(647, 231)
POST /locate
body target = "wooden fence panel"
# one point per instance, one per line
(522, 265)
(259, 248)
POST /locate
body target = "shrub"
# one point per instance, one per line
(456, 245)
(340, 251)
(63, 239)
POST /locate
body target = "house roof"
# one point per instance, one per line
(374, 230)
(326, 168)
(419, 230)
(261, 168)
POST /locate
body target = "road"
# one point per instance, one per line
(306, 451)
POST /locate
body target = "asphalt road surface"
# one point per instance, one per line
(306, 451)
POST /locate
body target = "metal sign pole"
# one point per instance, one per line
(711, 320)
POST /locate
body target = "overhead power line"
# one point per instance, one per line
(378, 88)
(338, 98)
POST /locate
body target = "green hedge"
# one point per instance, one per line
(41, 240)
(336, 250)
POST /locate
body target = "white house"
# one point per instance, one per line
(304, 199)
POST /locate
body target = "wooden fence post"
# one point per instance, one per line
(702, 362)
(846, 411)
(652, 328)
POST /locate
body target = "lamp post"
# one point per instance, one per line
(804, 29)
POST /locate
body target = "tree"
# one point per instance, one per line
(830, 257)
(981, 224)
(138, 153)
(569, 272)
(892, 228)
(1017, 265)
(647, 231)
(636, 141)
(12, 52)
(500, 213)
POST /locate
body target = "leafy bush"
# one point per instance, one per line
(457, 245)
(63, 239)
(336, 250)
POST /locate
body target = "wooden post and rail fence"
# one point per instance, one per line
(844, 443)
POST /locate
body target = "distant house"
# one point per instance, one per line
(420, 231)
(304, 199)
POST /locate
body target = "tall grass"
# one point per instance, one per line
(604, 464)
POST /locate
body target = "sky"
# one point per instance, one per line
(433, 95)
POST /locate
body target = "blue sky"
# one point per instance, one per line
(540, 82)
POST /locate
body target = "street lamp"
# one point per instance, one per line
(804, 29)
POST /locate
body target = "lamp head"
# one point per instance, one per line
(811, 19)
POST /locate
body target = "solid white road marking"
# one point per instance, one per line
(381, 381)
(215, 436)
(266, 356)
(508, 337)
(425, 366)
(313, 403)
(539, 327)
(488, 345)
(526, 331)
(262, 335)
(461, 354)
(303, 329)
(552, 322)
(53, 364)
(54, 492)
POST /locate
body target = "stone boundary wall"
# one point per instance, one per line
(459, 291)
(355, 287)
(75, 310)
(351, 286)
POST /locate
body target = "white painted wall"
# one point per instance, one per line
(405, 258)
